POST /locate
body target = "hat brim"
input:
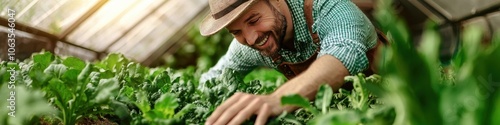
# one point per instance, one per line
(210, 25)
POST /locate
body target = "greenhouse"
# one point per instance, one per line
(272, 62)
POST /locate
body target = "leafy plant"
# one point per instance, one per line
(29, 105)
(323, 111)
(413, 87)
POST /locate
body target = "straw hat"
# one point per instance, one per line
(222, 12)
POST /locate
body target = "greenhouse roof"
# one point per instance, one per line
(140, 29)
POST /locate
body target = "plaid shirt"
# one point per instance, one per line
(344, 32)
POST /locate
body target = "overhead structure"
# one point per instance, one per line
(89, 29)
(144, 30)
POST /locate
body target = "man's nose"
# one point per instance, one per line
(251, 37)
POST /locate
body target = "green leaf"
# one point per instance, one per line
(471, 37)
(71, 75)
(430, 44)
(28, 103)
(39, 78)
(324, 98)
(73, 62)
(56, 70)
(151, 115)
(298, 100)
(60, 91)
(495, 113)
(113, 62)
(184, 111)
(361, 92)
(142, 101)
(289, 118)
(4, 75)
(344, 117)
(162, 79)
(382, 115)
(127, 92)
(166, 105)
(112, 59)
(82, 77)
(43, 59)
(121, 110)
(107, 89)
(166, 122)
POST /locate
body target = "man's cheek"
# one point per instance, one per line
(267, 25)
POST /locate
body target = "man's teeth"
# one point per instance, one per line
(263, 41)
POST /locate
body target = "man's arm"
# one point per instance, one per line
(345, 37)
(344, 42)
(325, 70)
(345, 33)
(241, 106)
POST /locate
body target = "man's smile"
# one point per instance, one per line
(266, 44)
(263, 41)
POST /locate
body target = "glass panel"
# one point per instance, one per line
(52, 16)
(151, 35)
(461, 8)
(112, 21)
(136, 28)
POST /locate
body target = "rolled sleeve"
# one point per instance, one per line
(350, 53)
(345, 33)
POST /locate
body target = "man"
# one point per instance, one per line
(311, 42)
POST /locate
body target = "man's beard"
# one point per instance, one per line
(278, 32)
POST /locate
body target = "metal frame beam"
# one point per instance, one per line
(62, 37)
(483, 12)
(135, 25)
(82, 19)
(28, 29)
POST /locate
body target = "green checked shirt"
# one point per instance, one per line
(344, 32)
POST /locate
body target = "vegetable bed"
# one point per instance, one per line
(412, 87)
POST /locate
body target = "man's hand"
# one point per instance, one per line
(241, 106)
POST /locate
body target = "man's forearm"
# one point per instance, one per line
(326, 69)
